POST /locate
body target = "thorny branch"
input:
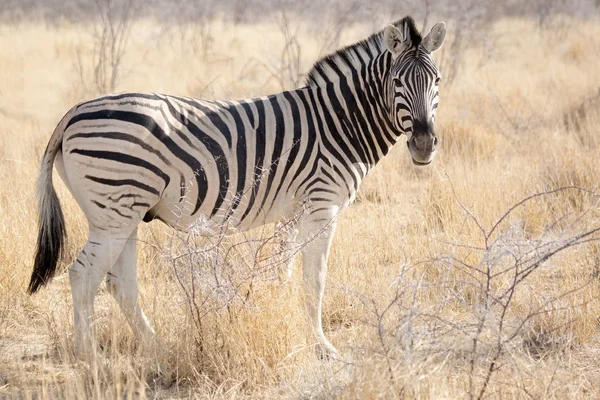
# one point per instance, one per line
(494, 273)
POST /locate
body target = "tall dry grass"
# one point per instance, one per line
(417, 284)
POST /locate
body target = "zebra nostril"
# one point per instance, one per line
(412, 143)
(435, 141)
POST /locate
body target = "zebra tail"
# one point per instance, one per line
(51, 231)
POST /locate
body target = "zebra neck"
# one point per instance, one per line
(357, 113)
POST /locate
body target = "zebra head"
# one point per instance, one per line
(413, 82)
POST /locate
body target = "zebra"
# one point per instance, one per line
(133, 157)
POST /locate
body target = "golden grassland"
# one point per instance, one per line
(413, 302)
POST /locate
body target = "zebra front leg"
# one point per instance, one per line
(96, 258)
(121, 282)
(287, 234)
(317, 236)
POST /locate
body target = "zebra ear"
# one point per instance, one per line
(394, 39)
(435, 39)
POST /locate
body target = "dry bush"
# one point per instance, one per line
(478, 307)
(219, 275)
(111, 39)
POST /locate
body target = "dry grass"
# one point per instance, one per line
(406, 298)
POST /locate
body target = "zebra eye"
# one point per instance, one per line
(437, 81)
(397, 83)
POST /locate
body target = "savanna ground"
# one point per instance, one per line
(436, 287)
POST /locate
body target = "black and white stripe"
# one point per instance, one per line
(135, 156)
(242, 159)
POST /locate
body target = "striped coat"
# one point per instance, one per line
(136, 157)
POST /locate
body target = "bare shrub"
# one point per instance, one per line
(343, 14)
(476, 305)
(470, 28)
(198, 32)
(218, 272)
(287, 70)
(111, 38)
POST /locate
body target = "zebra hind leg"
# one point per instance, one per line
(96, 258)
(121, 282)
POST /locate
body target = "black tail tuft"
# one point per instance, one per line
(51, 234)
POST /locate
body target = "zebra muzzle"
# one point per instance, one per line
(422, 148)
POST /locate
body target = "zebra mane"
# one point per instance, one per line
(372, 45)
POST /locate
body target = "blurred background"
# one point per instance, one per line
(314, 11)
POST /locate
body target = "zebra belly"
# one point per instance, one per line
(232, 217)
